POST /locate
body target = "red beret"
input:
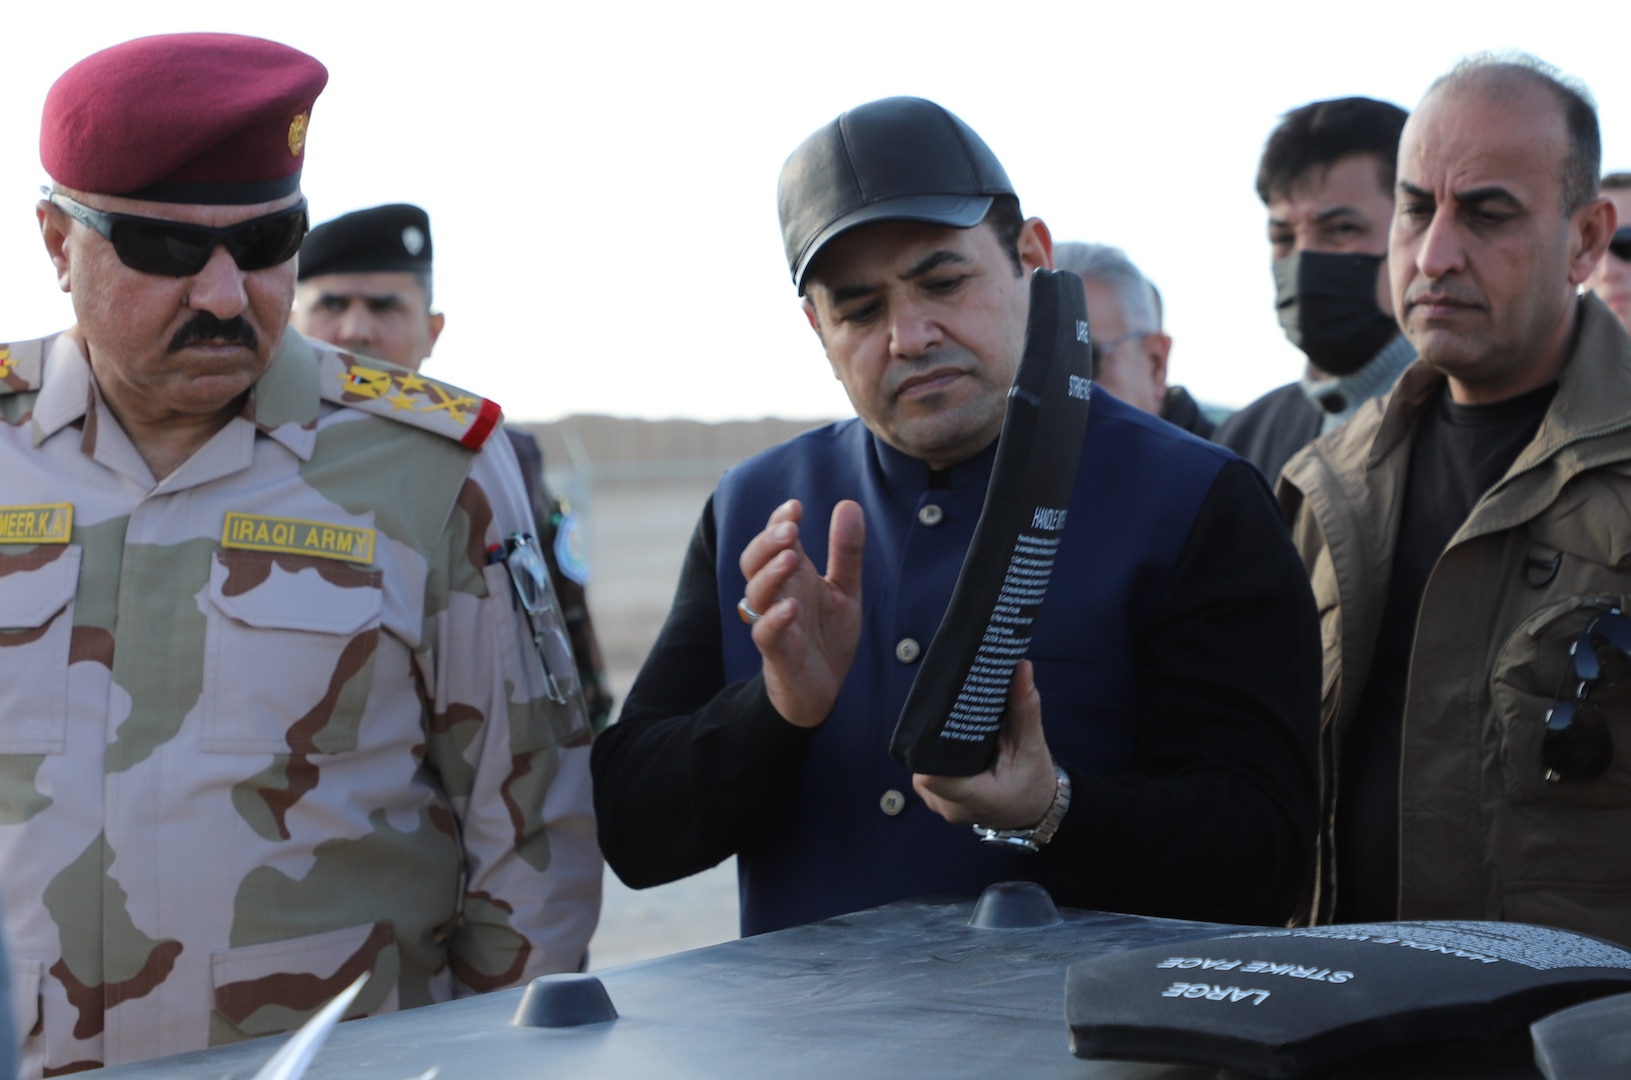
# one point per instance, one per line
(183, 118)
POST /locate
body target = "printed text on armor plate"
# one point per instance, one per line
(977, 712)
(1256, 967)
(1048, 518)
(1214, 993)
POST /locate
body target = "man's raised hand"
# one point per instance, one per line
(809, 624)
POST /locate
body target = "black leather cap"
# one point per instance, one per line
(394, 237)
(899, 159)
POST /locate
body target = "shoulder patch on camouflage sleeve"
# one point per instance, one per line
(373, 386)
(20, 365)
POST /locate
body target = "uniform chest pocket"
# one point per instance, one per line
(288, 653)
(36, 644)
(1531, 666)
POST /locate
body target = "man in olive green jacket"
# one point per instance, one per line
(1464, 531)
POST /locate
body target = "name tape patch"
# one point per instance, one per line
(292, 536)
(48, 523)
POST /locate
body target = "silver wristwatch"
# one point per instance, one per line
(1037, 836)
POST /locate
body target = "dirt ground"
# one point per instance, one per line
(637, 540)
(639, 487)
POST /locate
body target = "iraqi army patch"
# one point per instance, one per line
(293, 536)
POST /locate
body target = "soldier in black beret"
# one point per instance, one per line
(365, 285)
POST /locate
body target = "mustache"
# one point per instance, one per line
(1444, 289)
(946, 356)
(205, 327)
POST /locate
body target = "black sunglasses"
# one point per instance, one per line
(180, 249)
(1620, 246)
(1576, 745)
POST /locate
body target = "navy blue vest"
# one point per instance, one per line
(1138, 489)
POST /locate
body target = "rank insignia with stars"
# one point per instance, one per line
(410, 392)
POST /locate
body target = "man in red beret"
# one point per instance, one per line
(269, 722)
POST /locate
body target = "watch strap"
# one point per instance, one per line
(1035, 838)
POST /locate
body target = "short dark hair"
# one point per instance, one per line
(1007, 222)
(1322, 133)
(1585, 153)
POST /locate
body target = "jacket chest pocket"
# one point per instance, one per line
(1531, 670)
(36, 645)
(288, 653)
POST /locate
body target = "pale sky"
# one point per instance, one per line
(601, 178)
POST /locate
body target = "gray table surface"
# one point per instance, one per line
(909, 989)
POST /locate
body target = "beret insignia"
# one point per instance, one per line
(297, 133)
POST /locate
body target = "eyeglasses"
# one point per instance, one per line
(1576, 745)
(529, 574)
(1620, 246)
(1100, 351)
(180, 249)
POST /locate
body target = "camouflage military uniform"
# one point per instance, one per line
(274, 720)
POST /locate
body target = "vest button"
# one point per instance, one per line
(892, 802)
(907, 650)
(930, 515)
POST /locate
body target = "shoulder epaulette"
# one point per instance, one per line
(373, 386)
(21, 365)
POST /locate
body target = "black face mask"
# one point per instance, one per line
(1327, 307)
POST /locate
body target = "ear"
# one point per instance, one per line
(54, 231)
(1157, 347)
(437, 321)
(1593, 227)
(1035, 246)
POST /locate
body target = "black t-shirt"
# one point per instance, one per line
(1459, 453)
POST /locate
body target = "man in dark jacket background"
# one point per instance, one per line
(1326, 177)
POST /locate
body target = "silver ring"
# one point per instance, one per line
(746, 613)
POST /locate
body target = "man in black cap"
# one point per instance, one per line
(1158, 747)
(365, 285)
